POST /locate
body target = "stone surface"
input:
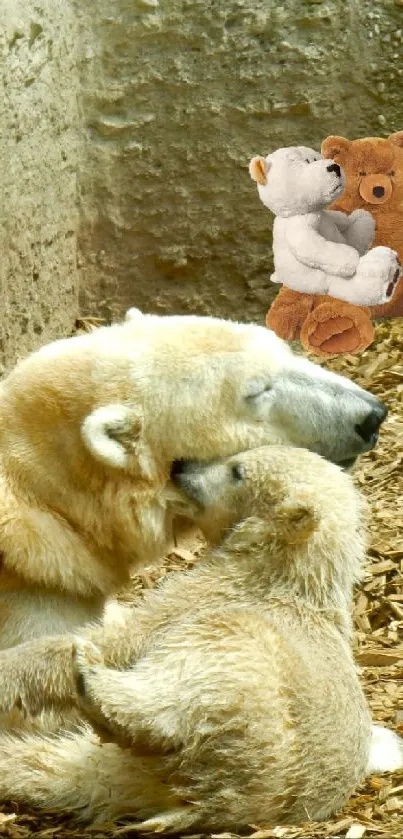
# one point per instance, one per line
(38, 173)
(381, 101)
(152, 109)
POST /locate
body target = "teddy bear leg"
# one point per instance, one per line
(336, 327)
(288, 312)
(380, 267)
(374, 281)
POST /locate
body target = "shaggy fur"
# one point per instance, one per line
(90, 426)
(230, 697)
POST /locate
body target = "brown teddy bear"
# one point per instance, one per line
(326, 326)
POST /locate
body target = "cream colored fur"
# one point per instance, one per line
(230, 696)
(320, 251)
(89, 428)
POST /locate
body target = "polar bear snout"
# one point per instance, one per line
(188, 476)
(329, 415)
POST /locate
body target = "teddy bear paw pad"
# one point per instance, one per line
(393, 283)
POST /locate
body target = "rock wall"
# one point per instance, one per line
(127, 127)
(39, 127)
(380, 98)
(178, 94)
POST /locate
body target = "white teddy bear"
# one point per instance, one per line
(320, 251)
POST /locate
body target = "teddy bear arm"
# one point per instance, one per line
(357, 228)
(340, 219)
(312, 250)
(360, 233)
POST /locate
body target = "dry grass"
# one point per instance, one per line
(377, 808)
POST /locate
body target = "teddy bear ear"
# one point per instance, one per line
(334, 145)
(397, 138)
(258, 169)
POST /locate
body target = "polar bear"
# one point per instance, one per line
(230, 697)
(90, 427)
(315, 250)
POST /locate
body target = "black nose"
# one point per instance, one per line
(368, 430)
(334, 167)
(378, 191)
(178, 468)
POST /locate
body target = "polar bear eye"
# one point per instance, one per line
(258, 389)
(238, 472)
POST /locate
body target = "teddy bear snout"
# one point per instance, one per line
(334, 167)
(375, 189)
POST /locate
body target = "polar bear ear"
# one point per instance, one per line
(291, 523)
(334, 145)
(397, 138)
(133, 314)
(258, 170)
(113, 434)
(298, 522)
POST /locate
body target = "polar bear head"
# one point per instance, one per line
(296, 181)
(133, 398)
(92, 427)
(299, 513)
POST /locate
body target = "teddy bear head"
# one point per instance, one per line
(374, 170)
(296, 180)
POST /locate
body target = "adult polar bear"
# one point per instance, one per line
(90, 427)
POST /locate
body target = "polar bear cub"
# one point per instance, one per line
(320, 251)
(230, 697)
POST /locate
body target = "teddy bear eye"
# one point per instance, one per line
(362, 174)
(392, 173)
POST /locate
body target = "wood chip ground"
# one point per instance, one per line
(376, 810)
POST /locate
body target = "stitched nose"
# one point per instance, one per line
(334, 167)
(368, 430)
(378, 191)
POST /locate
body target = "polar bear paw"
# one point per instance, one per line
(380, 270)
(386, 751)
(84, 655)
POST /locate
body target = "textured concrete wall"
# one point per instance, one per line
(381, 100)
(178, 94)
(38, 173)
(172, 98)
